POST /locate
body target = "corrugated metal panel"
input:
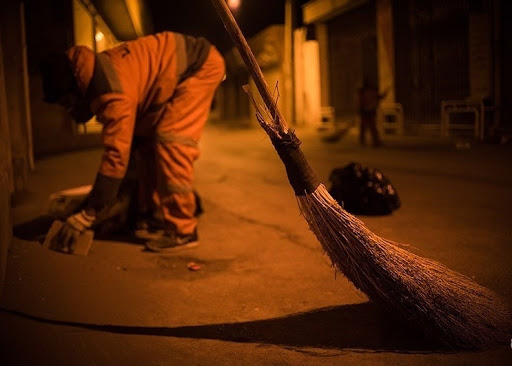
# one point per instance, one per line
(431, 43)
(352, 56)
(504, 83)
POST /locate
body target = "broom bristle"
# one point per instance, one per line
(442, 303)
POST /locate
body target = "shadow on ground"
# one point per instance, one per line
(357, 327)
(37, 228)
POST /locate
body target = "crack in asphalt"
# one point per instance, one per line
(287, 234)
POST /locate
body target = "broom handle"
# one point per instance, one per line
(250, 61)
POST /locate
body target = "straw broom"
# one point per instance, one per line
(442, 303)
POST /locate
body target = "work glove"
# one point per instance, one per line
(75, 225)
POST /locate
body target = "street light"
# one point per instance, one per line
(99, 36)
(234, 4)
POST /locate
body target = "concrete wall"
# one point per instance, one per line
(128, 19)
(307, 79)
(15, 96)
(5, 220)
(268, 48)
(6, 181)
(16, 160)
(50, 28)
(322, 35)
(503, 72)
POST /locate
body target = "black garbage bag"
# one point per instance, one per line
(363, 190)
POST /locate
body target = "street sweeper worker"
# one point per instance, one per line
(368, 98)
(156, 90)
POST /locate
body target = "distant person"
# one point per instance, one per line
(156, 90)
(368, 102)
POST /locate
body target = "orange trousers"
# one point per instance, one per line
(165, 164)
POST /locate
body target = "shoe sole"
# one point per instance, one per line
(148, 235)
(178, 248)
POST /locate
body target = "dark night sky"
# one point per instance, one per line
(198, 18)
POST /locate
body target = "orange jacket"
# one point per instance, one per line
(127, 88)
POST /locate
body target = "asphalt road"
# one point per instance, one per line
(266, 294)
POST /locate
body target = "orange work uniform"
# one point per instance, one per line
(157, 89)
(369, 99)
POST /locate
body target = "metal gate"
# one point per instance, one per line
(431, 63)
(352, 56)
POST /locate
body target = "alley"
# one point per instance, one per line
(265, 294)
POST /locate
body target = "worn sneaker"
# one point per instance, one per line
(172, 242)
(148, 227)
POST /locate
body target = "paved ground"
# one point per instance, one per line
(266, 294)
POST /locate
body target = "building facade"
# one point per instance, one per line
(442, 62)
(292, 75)
(29, 128)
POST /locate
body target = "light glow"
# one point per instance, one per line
(234, 4)
(99, 36)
